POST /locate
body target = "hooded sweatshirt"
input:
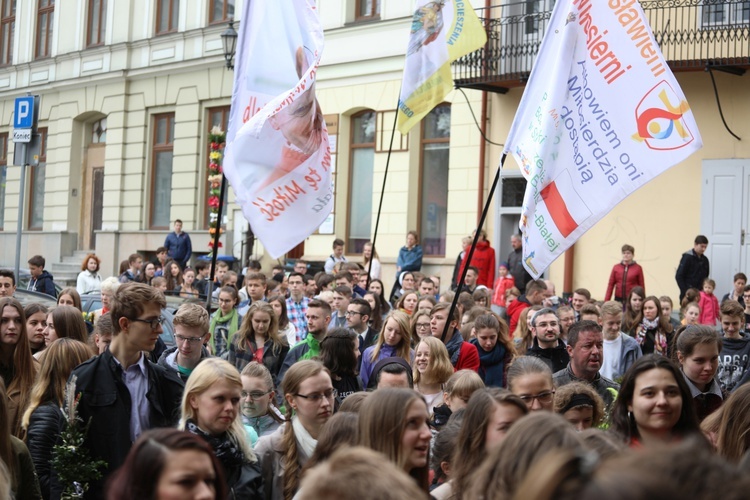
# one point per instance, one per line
(733, 361)
(43, 284)
(484, 260)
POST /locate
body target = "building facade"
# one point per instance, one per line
(130, 89)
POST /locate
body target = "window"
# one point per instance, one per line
(36, 189)
(3, 175)
(217, 117)
(722, 13)
(99, 131)
(513, 191)
(97, 25)
(367, 10)
(167, 12)
(7, 27)
(536, 11)
(44, 22)
(360, 181)
(433, 169)
(161, 170)
(221, 11)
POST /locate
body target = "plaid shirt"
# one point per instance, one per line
(296, 311)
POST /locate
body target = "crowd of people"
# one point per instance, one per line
(334, 385)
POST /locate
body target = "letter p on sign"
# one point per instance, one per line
(23, 116)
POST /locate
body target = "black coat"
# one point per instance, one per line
(556, 358)
(691, 272)
(105, 400)
(45, 425)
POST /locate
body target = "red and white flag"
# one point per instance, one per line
(601, 116)
(277, 156)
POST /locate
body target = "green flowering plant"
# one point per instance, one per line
(71, 460)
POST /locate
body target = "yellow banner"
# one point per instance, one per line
(441, 32)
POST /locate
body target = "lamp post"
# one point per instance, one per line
(229, 42)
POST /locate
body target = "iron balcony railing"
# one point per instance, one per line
(692, 34)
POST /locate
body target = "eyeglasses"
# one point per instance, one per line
(423, 326)
(544, 398)
(317, 398)
(189, 340)
(253, 394)
(153, 323)
(352, 313)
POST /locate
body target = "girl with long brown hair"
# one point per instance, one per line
(43, 418)
(309, 396)
(394, 422)
(17, 366)
(258, 340)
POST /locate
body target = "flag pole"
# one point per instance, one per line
(460, 283)
(382, 192)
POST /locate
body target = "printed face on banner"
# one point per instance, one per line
(278, 159)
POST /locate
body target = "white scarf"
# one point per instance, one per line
(304, 439)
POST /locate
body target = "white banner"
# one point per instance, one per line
(277, 156)
(602, 115)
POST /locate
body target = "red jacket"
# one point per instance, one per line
(468, 359)
(484, 260)
(623, 279)
(514, 311)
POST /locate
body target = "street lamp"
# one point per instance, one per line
(229, 42)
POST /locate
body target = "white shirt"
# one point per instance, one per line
(611, 357)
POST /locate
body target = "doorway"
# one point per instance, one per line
(725, 219)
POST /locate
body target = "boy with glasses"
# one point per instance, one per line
(122, 393)
(190, 333)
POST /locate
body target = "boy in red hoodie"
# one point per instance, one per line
(483, 259)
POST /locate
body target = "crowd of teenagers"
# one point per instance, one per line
(338, 386)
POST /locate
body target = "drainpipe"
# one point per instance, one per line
(570, 254)
(483, 126)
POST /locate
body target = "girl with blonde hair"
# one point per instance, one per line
(309, 396)
(211, 410)
(432, 369)
(258, 340)
(43, 419)
(394, 341)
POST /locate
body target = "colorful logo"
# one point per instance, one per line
(528, 259)
(660, 119)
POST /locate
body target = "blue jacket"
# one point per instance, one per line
(43, 284)
(179, 246)
(410, 260)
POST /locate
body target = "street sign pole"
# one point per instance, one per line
(19, 227)
(26, 152)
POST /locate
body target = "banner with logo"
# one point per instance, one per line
(441, 32)
(277, 156)
(602, 115)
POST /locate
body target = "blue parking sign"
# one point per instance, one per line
(23, 115)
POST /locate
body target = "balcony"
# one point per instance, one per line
(692, 34)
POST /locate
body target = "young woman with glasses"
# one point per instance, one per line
(258, 397)
(309, 398)
(530, 379)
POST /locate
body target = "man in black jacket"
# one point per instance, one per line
(357, 319)
(547, 344)
(694, 267)
(123, 394)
